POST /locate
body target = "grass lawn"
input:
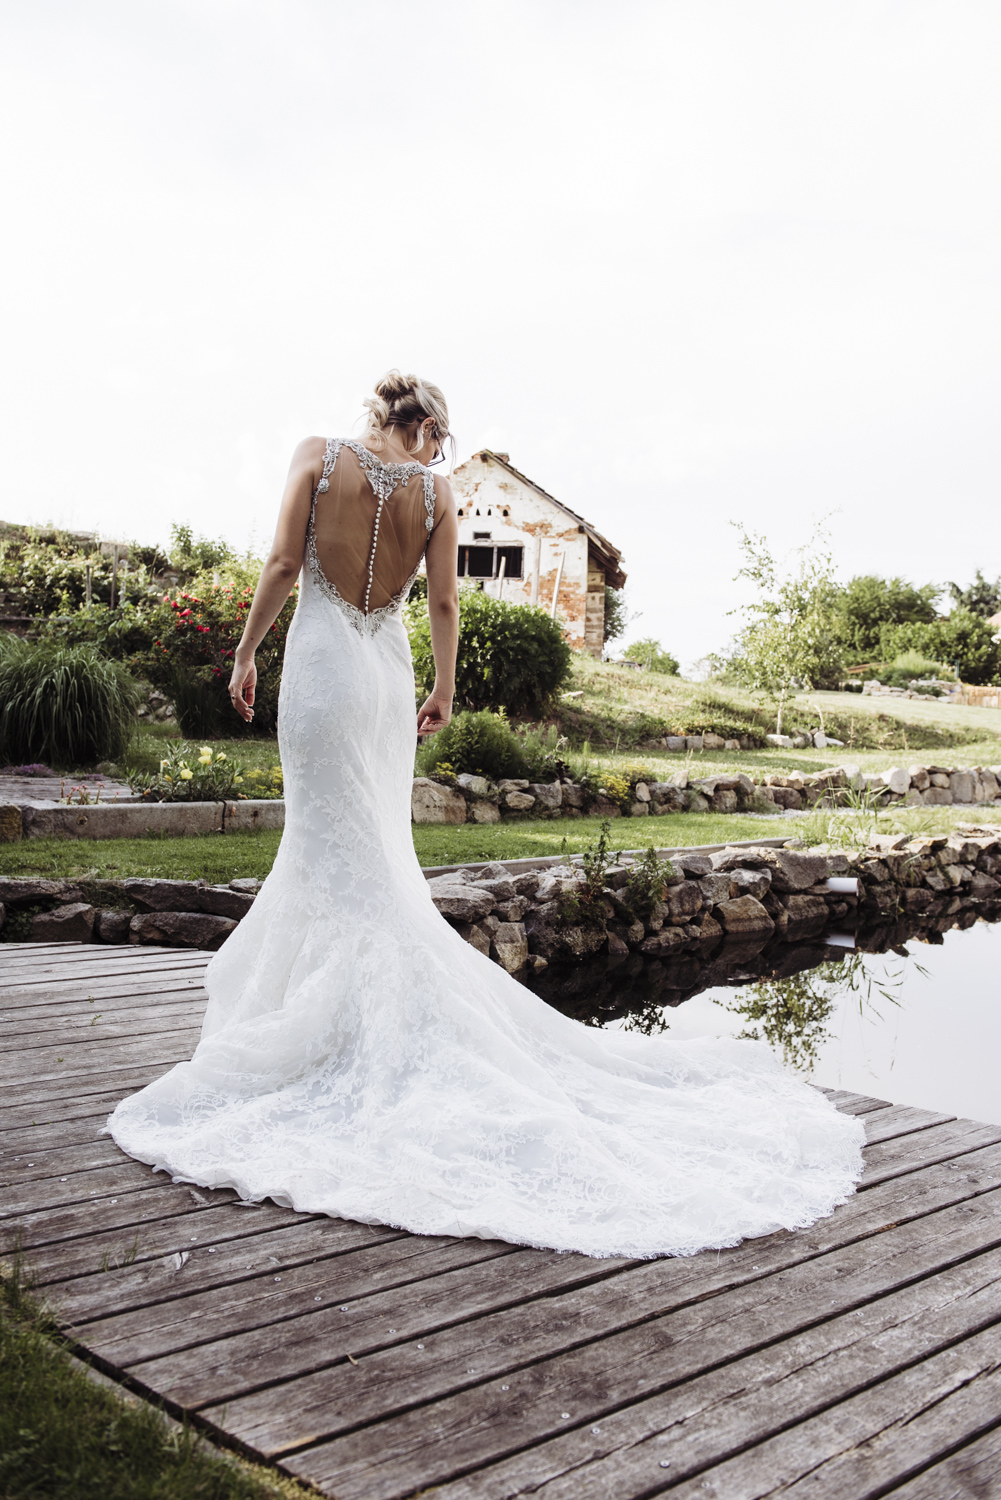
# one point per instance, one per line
(218, 857)
(65, 1437)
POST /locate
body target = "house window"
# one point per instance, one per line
(484, 562)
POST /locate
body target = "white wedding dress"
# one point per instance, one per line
(359, 1059)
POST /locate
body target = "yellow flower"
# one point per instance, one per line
(186, 775)
(205, 750)
(237, 780)
(221, 755)
(205, 760)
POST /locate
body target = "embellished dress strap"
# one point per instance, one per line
(330, 452)
(428, 501)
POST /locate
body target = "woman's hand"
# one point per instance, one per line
(242, 686)
(434, 713)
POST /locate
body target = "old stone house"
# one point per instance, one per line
(522, 544)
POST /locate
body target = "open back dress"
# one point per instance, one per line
(358, 1058)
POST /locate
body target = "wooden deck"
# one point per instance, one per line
(858, 1358)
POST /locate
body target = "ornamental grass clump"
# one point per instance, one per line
(65, 705)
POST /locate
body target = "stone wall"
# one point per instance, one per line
(475, 799)
(527, 918)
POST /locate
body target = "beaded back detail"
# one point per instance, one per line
(384, 480)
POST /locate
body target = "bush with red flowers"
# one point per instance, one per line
(190, 658)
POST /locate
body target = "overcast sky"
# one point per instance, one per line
(687, 261)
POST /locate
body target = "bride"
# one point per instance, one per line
(358, 1058)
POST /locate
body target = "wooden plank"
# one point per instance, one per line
(395, 1456)
(329, 1259)
(165, 1327)
(29, 1105)
(60, 1133)
(938, 1143)
(195, 1228)
(123, 1001)
(126, 1176)
(975, 1471)
(123, 990)
(236, 1363)
(136, 959)
(900, 1119)
(704, 1421)
(156, 1020)
(876, 1439)
(66, 1224)
(25, 1164)
(86, 1058)
(855, 1104)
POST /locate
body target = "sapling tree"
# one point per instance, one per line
(790, 639)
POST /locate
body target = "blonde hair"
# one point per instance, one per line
(402, 400)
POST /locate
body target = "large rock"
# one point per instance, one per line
(14, 892)
(482, 811)
(919, 778)
(550, 938)
(476, 786)
(794, 869)
(476, 935)
(963, 784)
(754, 883)
(66, 924)
(223, 902)
(715, 889)
(500, 887)
(668, 940)
(937, 796)
(430, 802)
(519, 801)
(466, 903)
(896, 781)
(547, 794)
(683, 901)
(666, 798)
(181, 929)
(510, 946)
(744, 915)
(164, 895)
(112, 926)
(806, 912)
(695, 865)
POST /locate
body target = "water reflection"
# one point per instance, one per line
(912, 1014)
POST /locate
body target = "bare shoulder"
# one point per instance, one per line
(309, 453)
(443, 492)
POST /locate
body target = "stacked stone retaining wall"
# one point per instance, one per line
(525, 919)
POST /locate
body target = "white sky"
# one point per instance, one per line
(686, 261)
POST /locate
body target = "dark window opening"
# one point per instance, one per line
(484, 562)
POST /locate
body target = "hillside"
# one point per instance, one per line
(618, 707)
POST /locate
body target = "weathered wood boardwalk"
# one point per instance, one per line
(858, 1358)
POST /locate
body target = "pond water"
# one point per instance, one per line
(918, 1024)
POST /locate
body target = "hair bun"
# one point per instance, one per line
(393, 385)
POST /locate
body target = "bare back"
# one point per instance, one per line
(369, 527)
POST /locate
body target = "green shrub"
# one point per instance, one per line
(68, 705)
(652, 657)
(511, 656)
(480, 744)
(968, 642)
(910, 665)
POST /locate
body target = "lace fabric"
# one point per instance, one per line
(359, 1059)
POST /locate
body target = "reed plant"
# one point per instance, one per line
(66, 705)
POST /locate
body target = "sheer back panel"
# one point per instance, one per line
(345, 514)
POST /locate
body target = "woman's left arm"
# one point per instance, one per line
(280, 572)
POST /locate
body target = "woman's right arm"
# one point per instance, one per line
(280, 572)
(442, 559)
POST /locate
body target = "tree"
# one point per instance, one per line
(867, 604)
(981, 598)
(966, 641)
(791, 638)
(651, 655)
(616, 614)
